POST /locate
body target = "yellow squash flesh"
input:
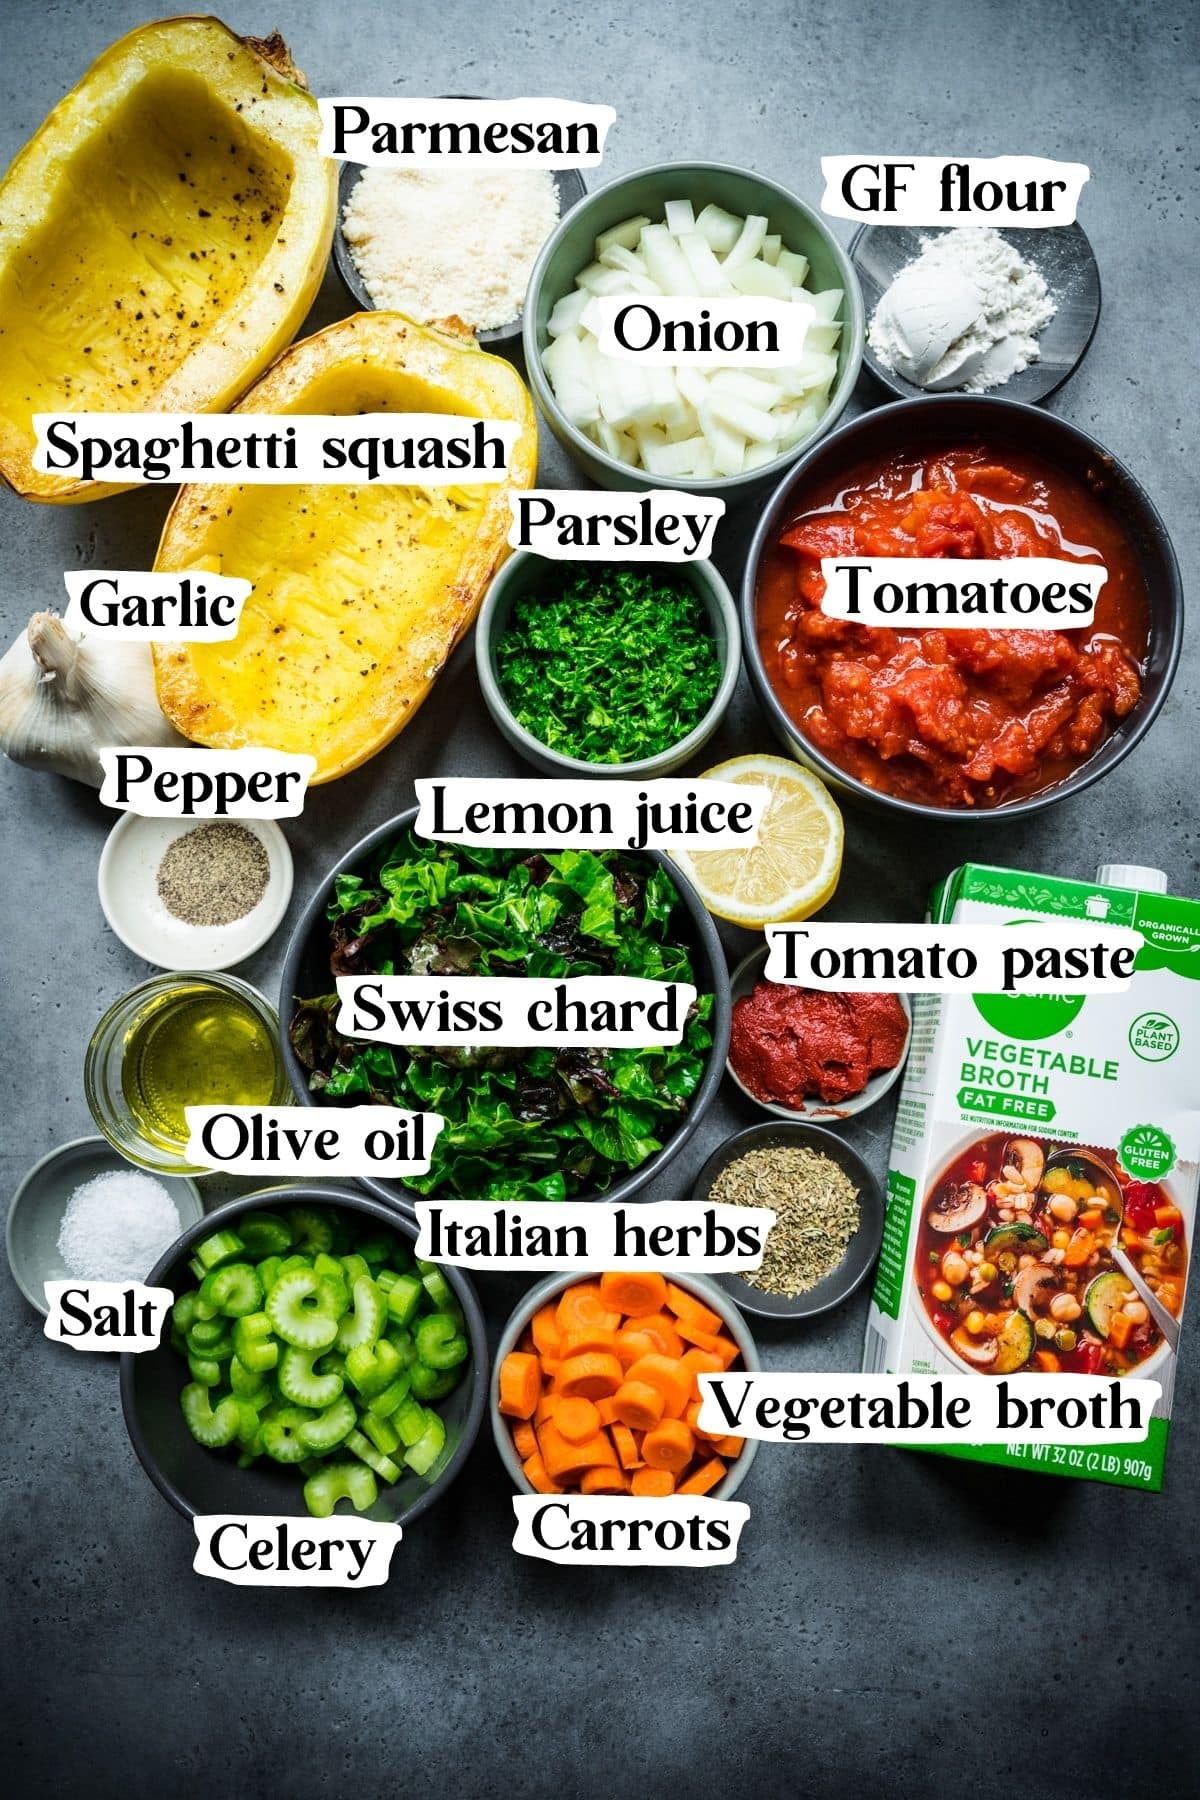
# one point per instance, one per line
(162, 237)
(360, 593)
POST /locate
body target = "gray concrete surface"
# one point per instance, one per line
(894, 1622)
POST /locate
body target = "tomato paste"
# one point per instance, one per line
(789, 1044)
(952, 717)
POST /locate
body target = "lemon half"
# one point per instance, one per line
(792, 870)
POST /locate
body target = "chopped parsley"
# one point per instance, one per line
(609, 665)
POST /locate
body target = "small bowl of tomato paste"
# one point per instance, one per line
(799, 1053)
(947, 719)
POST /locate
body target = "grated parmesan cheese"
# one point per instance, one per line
(454, 241)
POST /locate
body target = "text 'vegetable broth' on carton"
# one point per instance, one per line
(1035, 1133)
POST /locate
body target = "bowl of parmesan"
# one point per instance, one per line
(454, 241)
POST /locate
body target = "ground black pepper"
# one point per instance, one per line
(213, 875)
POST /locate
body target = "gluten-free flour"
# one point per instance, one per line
(964, 314)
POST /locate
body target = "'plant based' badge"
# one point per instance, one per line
(1154, 1037)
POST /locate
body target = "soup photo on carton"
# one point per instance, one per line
(1042, 1184)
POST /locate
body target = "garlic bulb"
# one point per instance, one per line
(64, 698)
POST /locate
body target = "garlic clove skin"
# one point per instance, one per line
(64, 697)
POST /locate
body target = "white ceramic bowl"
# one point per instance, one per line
(36, 1213)
(128, 883)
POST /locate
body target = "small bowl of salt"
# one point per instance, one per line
(83, 1211)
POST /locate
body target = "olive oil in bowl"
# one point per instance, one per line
(180, 1040)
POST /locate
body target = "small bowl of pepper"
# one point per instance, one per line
(607, 669)
(799, 1053)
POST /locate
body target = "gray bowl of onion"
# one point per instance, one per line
(571, 249)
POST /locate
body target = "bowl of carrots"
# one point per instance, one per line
(596, 1387)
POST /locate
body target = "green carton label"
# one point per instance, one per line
(889, 1274)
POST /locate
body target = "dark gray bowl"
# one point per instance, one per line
(196, 1480)
(862, 1249)
(955, 418)
(1062, 255)
(571, 189)
(306, 972)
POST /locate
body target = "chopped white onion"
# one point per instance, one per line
(679, 421)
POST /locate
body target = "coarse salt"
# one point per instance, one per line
(116, 1226)
(454, 242)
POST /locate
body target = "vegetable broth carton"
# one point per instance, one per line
(1034, 1133)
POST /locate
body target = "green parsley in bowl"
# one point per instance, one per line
(593, 668)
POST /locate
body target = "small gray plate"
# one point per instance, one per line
(571, 189)
(862, 1249)
(1063, 256)
(35, 1216)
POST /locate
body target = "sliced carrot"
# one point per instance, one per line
(577, 1418)
(652, 1483)
(536, 1476)
(626, 1447)
(1091, 1218)
(688, 1309)
(524, 1440)
(692, 1416)
(582, 1308)
(1047, 1360)
(520, 1385)
(704, 1478)
(544, 1329)
(607, 1409)
(550, 1367)
(702, 1362)
(604, 1481)
(525, 1343)
(661, 1327)
(698, 1337)
(1119, 1328)
(631, 1343)
(730, 1447)
(545, 1408)
(578, 1343)
(726, 1350)
(669, 1446)
(565, 1461)
(594, 1375)
(669, 1376)
(1079, 1250)
(633, 1292)
(638, 1405)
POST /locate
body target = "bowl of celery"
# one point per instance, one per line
(309, 1362)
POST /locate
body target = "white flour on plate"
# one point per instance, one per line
(963, 314)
